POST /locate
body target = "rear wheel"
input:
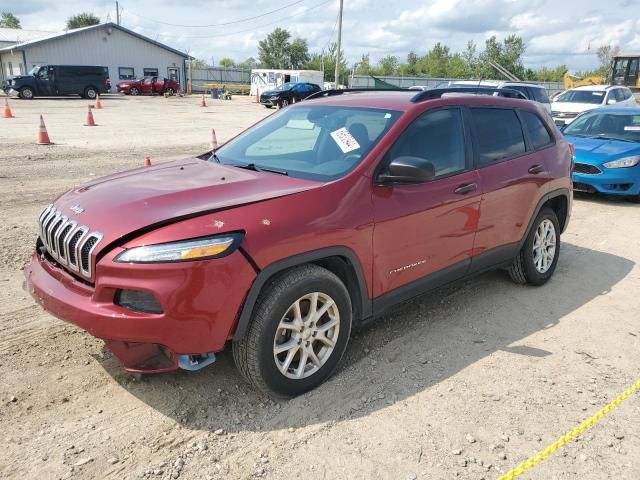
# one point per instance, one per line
(26, 93)
(298, 333)
(539, 255)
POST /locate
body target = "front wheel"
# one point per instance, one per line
(298, 334)
(26, 93)
(169, 90)
(539, 255)
(284, 102)
(91, 93)
(134, 91)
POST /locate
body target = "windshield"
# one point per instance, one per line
(285, 86)
(34, 70)
(606, 125)
(320, 143)
(581, 96)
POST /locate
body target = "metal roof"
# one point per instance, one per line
(75, 31)
(18, 35)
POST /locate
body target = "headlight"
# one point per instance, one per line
(623, 162)
(198, 249)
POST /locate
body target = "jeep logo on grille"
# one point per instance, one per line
(77, 209)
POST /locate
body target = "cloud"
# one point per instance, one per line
(555, 32)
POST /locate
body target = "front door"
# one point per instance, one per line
(425, 232)
(45, 81)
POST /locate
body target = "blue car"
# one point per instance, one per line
(607, 143)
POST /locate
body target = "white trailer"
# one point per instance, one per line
(263, 79)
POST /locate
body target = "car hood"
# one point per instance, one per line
(130, 201)
(597, 151)
(570, 107)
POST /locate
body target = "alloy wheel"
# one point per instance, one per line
(306, 335)
(544, 246)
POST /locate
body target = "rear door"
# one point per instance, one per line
(513, 176)
(424, 232)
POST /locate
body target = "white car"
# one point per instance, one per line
(568, 105)
(532, 91)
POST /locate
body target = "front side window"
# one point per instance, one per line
(436, 136)
(540, 136)
(499, 134)
(313, 142)
(126, 73)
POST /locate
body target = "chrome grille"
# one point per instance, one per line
(67, 242)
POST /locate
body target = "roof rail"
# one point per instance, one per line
(439, 92)
(334, 92)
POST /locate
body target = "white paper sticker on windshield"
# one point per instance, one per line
(597, 94)
(345, 140)
(632, 128)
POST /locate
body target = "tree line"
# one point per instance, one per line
(84, 19)
(279, 50)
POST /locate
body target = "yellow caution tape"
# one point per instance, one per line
(551, 449)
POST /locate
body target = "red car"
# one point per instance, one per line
(148, 85)
(316, 219)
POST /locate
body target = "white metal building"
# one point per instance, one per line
(125, 53)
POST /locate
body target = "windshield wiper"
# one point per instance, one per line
(617, 139)
(256, 168)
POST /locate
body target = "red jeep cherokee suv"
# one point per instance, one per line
(319, 217)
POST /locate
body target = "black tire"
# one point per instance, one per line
(134, 92)
(269, 106)
(284, 102)
(254, 354)
(27, 93)
(91, 93)
(170, 91)
(523, 269)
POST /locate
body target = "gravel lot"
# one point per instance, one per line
(466, 382)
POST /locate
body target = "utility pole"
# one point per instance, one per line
(117, 13)
(337, 79)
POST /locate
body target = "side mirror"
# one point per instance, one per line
(408, 169)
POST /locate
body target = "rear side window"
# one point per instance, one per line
(499, 133)
(540, 137)
(540, 95)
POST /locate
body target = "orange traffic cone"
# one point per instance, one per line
(43, 136)
(214, 140)
(147, 161)
(6, 113)
(89, 122)
(98, 105)
(203, 102)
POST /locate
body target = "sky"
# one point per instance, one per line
(555, 31)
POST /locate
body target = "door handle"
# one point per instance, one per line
(536, 169)
(466, 188)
